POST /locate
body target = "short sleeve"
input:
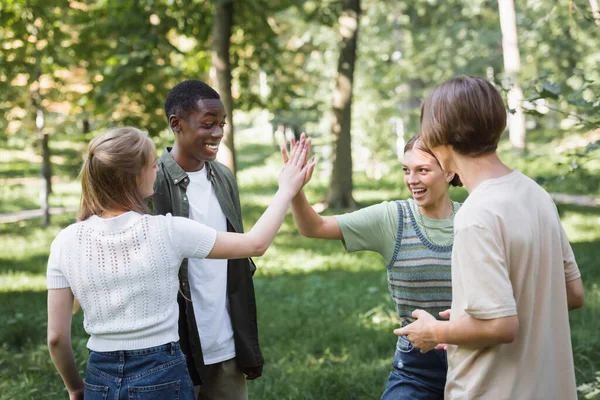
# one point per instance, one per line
(480, 264)
(55, 278)
(191, 239)
(373, 228)
(571, 268)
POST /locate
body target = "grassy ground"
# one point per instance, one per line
(325, 318)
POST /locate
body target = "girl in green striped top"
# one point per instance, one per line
(414, 237)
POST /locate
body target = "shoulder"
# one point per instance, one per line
(66, 237)
(222, 170)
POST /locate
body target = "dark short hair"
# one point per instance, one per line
(416, 143)
(184, 97)
(466, 113)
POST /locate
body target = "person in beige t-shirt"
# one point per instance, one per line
(514, 275)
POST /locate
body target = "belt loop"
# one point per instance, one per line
(172, 345)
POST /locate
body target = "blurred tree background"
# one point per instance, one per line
(350, 73)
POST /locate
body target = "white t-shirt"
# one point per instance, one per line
(511, 256)
(124, 272)
(208, 278)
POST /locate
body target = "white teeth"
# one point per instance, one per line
(212, 146)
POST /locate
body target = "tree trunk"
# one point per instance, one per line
(512, 66)
(340, 189)
(221, 76)
(46, 170)
(595, 11)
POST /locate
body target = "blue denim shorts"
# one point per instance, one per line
(415, 375)
(146, 374)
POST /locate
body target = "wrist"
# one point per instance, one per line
(286, 194)
(439, 331)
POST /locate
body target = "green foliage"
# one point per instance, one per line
(325, 317)
(591, 390)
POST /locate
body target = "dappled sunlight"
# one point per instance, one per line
(19, 281)
(582, 227)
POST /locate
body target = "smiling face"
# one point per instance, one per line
(425, 179)
(198, 136)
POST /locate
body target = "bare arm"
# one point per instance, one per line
(473, 332)
(257, 240)
(575, 294)
(60, 305)
(427, 332)
(311, 224)
(308, 221)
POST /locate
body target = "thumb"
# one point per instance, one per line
(445, 314)
(400, 331)
(418, 313)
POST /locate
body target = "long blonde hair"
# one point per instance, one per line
(115, 160)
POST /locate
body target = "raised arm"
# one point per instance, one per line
(257, 240)
(308, 221)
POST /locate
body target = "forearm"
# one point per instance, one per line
(306, 218)
(62, 357)
(473, 332)
(267, 226)
(310, 223)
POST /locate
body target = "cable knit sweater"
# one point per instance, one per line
(124, 272)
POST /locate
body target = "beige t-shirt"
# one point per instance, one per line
(511, 257)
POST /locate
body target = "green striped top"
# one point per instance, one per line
(418, 269)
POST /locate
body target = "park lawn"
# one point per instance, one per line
(325, 318)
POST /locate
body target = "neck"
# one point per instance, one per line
(186, 163)
(111, 213)
(474, 170)
(441, 210)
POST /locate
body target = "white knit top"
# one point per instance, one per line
(124, 272)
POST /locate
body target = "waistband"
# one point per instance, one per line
(167, 347)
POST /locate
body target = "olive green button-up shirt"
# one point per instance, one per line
(170, 196)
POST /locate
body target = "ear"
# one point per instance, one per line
(450, 176)
(175, 123)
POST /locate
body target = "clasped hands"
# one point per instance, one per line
(423, 333)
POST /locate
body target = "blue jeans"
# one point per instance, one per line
(415, 375)
(146, 374)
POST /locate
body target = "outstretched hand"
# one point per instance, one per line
(293, 175)
(285, 156)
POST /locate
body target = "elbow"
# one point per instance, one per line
(56, 340)
(576, 301)
(508, 331)
(260, 250)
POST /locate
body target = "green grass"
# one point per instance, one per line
(325, 318)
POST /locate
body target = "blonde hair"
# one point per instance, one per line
(115, 160)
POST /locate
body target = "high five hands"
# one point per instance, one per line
(298, 168)
(304, 143)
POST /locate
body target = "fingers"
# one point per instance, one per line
(294, 153)
(284, 154)
(400, 331)
(442, 346)
(445, 314)
(308, 145)
(299, 153)
(418, 313)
